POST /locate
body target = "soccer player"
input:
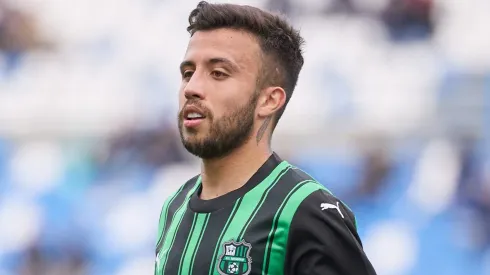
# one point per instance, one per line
(248, 211)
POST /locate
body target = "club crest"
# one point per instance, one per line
(235, 258)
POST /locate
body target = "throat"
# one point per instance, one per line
(222, 176)
(218, 183)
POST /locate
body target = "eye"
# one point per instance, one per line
(219, 74)
(187, 74)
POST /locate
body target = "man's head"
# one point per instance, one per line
(239, 72)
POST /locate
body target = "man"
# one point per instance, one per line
(248, 212)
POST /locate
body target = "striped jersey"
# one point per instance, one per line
(281, 221)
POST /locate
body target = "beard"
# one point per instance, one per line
(225, 134)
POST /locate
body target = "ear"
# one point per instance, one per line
(270, 101)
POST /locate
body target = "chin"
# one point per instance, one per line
(193, 137)
(194, 133)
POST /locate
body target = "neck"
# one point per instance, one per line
(223, 175)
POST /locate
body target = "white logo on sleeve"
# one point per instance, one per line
(326, 206)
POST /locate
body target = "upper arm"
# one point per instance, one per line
(325, 241)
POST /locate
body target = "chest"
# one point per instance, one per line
(223, 243)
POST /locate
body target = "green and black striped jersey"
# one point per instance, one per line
(280, 222)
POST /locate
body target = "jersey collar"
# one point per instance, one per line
(206, 206)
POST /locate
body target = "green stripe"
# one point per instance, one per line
(326, 189)
(199, 242)
(353, 215)
(312, 178)
(164, 213)
(274, 224)
(189, 237)
(249, 203)
(261, 202)
(232, 215)
(194, 239)
(278, 236)
(169, 237)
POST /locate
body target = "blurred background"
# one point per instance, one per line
(391, 113)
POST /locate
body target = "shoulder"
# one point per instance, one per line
(322, 236)
(192, 183)
(314, 200)
(177, 198)
(184, 189)
(323, 205)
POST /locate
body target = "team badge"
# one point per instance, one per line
(235, 258)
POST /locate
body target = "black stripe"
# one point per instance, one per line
(167, 214)
(178, 201)
(199, 244)
(263, 221)
(302, 174)
(187, 242)
(269, 250)
(211, 233)
(262, 198)
(183, 231)
(218, 243)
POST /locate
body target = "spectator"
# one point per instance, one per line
(18, 35)
(36, 262)
(150, 148)
(409, 19)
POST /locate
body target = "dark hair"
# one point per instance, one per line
(279, 41)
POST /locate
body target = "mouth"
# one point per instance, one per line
(193, 113)
(193, 116)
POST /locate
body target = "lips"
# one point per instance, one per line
(192, 116)
(192, 112)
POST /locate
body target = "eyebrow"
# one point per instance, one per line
(212, 61)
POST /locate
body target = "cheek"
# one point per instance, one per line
(181, 98)
(232, 105)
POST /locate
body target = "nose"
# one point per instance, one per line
(194, 89)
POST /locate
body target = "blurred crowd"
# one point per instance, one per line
(397, 124)
(404, 19)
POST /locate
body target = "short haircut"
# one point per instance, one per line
(280, 43)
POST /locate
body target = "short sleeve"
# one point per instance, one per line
(323, 239)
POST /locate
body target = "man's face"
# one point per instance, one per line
(218, 94)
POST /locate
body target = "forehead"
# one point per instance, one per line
(236, 45)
